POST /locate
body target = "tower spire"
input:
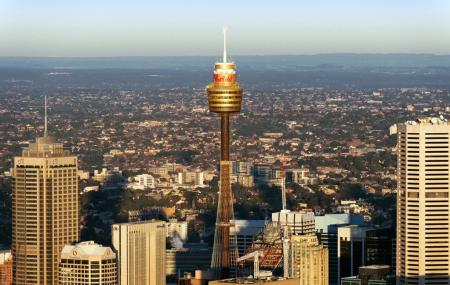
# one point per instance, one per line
(45, 116)
(225, 43)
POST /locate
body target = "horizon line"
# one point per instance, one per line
(238, 55)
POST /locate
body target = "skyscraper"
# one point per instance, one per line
(141, 248)
(87, 263)
(423, 202)
(45, 210)
(224, 97)
(309, 260)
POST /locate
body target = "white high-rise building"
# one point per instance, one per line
(141, 248)
(423, 234)
(298, 223)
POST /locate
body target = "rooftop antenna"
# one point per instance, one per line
(283, 182)
(225, 43)
(45, 117)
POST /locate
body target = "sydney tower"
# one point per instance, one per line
(224, 98)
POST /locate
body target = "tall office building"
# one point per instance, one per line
(141, 248)
(44, 210)
(423, 202)
(87, 263)
(309, 260)
(224, 98)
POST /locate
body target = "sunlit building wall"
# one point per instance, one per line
(423, 202)
(45, 210)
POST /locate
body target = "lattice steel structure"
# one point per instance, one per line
(224, 98)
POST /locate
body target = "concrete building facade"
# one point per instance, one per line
(309, 260)
(140, 248)
(298, 223)
(423, 203)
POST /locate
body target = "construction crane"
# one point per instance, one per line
(255, 255)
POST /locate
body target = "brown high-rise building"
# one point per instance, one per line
(45, 210)
(224, 98)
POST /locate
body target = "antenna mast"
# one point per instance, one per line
(45, 116)
(225, 43)
(283, 183)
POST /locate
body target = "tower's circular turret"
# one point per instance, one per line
(224, 93)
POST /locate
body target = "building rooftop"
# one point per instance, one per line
(45, 146)
(87, 249)
(429, 121)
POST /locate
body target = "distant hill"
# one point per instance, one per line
(296, 62)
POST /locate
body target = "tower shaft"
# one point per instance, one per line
(226, 206)
(224, 252)
(225, 137)
(224, 98)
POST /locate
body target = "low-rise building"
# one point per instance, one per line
(87, 263)
(6, 272)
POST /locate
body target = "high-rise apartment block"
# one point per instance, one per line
(45, 210)
(141, 248)
(309, 260)
(423, 203)
(87, 263)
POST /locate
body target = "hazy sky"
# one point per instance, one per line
(189, 27)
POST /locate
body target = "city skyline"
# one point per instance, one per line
(100, 28)
(150, 175)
